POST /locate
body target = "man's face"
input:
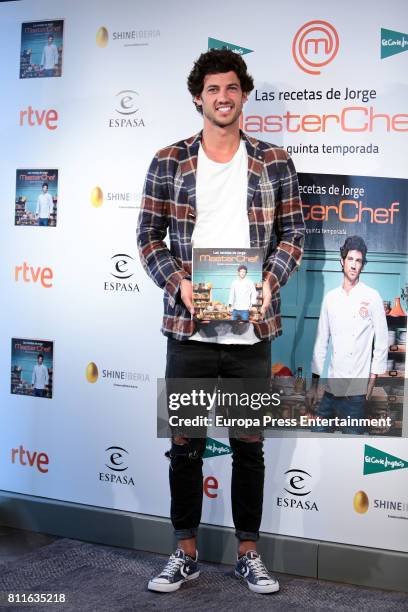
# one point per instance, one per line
(40, 360)
(50, 39)
(242, 273)
(222, 98)
(352, 265)
(45, 188)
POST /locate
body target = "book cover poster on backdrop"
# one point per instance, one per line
(41, 49)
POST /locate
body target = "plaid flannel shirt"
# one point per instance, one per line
(169, 206)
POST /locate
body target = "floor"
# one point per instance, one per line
(95, 577)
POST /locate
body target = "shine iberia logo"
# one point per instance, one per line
(213, 448)
(376, 460)
(214, 43)
(393, 42)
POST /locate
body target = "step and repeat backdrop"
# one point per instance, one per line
(90, 91)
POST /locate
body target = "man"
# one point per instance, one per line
(221, 189)
(45, 206)
(49, 59)
(242, 295)
(353, 317)
(40, 378)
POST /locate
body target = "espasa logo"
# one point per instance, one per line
(116, 462)
(393, 43)
(298, 485)
(115, 458)
(315, 45)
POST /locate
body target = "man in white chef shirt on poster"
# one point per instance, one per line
(352, 317)
(40, 378)
(45, 206)
(242, 295)
(49, 59)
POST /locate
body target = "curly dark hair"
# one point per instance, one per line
(242, 267)
(215, 61)
(354, 243)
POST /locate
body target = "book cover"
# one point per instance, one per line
(227, 284)
(36, 197)
(32, 367)
(41, 49)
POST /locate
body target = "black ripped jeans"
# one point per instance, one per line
(192, 359)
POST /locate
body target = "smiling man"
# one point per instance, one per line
(218, 189)
(352, 317)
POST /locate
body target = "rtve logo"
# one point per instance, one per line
(32, 117)
(315, 45)
(31, 274)
(39, 460)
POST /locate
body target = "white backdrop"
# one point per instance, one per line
(119, 330)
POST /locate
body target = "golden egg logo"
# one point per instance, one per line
(102, 37)
(97, 197)
(92, 372)
(360, 502)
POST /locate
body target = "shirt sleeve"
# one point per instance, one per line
(47, 378)
(43, 58)
(156, 258)
(55, 56)
(37, 210)
(290, 231)
(322, 340)
(380, 352)
(33, 376)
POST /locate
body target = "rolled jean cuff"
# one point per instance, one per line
(247, 535)
(186, 534)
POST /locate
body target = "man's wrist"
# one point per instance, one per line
(173, 285)
(272, 280)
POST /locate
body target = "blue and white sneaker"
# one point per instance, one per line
(179, 568)
(250, 568)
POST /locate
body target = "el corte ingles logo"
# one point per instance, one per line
(213, 448)
(376, 460)
(393, 43)
(214, 43)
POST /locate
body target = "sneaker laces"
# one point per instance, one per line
(258, 568)
(173, 564)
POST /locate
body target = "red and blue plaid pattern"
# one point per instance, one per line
(169, 207)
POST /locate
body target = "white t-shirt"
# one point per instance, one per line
(222, 222)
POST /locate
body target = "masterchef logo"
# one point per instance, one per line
(315, 45)
(351, 211)
(363, 312)
(230, 258)
(350, 119)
